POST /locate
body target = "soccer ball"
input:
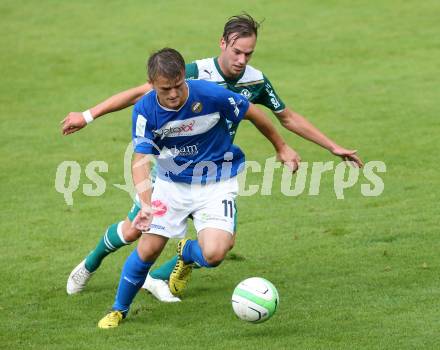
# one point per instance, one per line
(255, 300)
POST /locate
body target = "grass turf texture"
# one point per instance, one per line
(361, 273)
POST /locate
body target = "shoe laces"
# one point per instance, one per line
(114, 316)
(182, 268)
(81, 275)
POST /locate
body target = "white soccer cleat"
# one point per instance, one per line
(159, 289)
(78, 278)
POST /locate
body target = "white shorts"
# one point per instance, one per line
(211, 205)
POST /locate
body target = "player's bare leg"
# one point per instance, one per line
(208, 251)
(215, 244)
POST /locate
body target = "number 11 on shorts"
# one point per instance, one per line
(227, 204)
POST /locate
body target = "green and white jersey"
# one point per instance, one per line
(252, 84)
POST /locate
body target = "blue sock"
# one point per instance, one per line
(132, 278)
(192, 253)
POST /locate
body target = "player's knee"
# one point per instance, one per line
(215, 252)
(214, 261)
(148, 252)
(215, 257)
(150, 246)
(130, 233)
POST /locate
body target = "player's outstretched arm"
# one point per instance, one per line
(140, 170)
(75, 121)
(285, 154)
(302, 127)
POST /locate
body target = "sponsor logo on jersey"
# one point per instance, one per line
(196, 107)
(273, 98)
(188, 150)
(209, 73)
(179, 130)
(246, 93)
(188, 127)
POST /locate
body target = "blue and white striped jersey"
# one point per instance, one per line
(193, 143)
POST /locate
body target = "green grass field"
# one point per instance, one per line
(359, 273)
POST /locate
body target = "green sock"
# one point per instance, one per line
(109, 243)
(163, 272)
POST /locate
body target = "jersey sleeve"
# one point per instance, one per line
(142, 135)
(270, 98)
(233, 106)
(191, 71)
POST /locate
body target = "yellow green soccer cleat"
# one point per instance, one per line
(111, 320)
(181, 273)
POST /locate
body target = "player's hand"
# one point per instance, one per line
(348, 156)
(289, 158)
(143, 219)
(72, 123)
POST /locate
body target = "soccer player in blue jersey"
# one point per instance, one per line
(184, 124)
(232, 71)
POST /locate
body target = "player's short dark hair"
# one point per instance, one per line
(240, 26)
(167, 63)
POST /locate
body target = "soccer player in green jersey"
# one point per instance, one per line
(231, 70)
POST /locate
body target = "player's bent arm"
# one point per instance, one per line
(301, 126)
(75, 121)
(140, 170)
(284, 153)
